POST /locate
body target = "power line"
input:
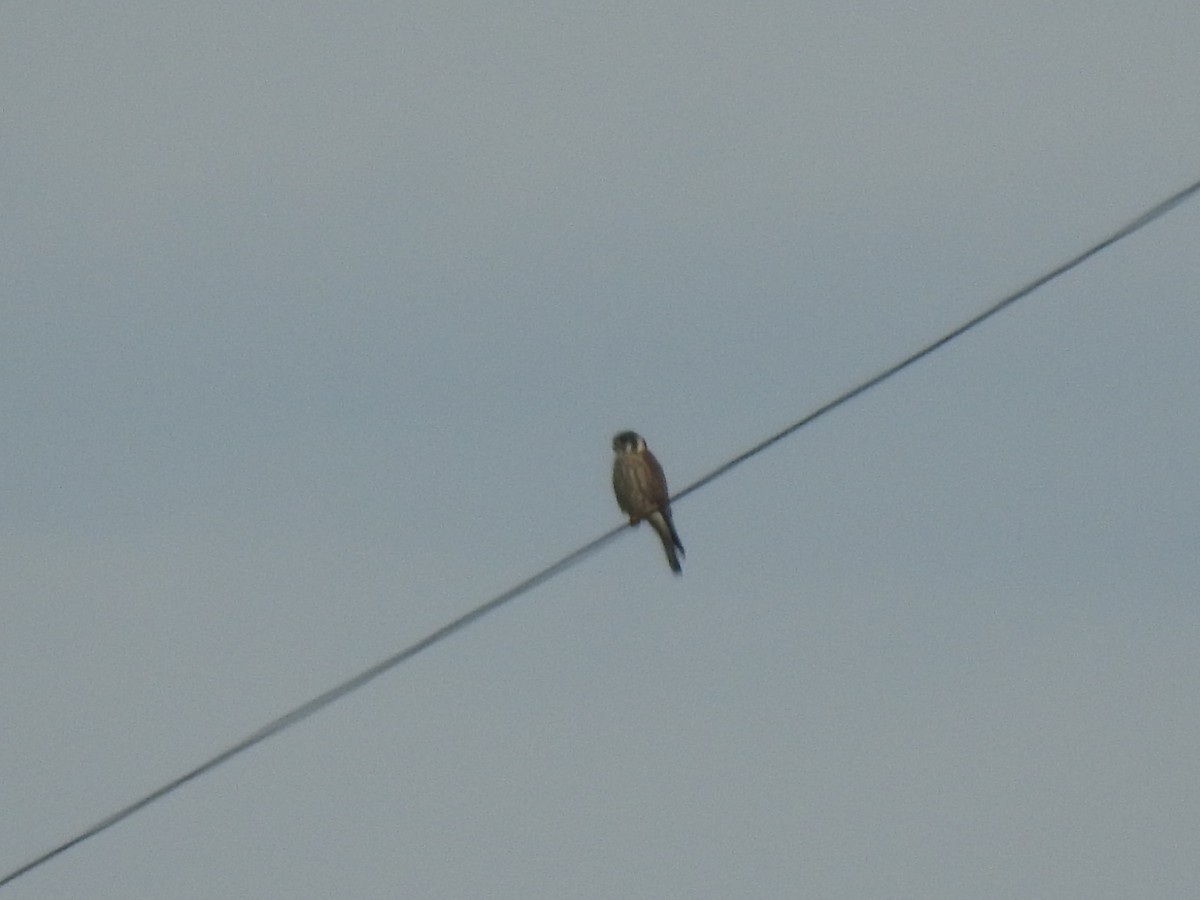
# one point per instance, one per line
(304, 710)
(1158, 210)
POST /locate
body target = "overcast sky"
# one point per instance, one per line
(317, 322)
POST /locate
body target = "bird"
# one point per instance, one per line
(641, 489)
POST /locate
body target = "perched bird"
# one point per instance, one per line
(641, 489)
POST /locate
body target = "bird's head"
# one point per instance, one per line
(629, 442)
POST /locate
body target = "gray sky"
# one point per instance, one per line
(317, 322)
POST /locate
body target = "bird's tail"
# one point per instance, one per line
(670, 539)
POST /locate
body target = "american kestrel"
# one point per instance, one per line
(641, 489)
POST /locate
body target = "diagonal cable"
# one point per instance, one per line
(304, 710)
(1124, 231)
